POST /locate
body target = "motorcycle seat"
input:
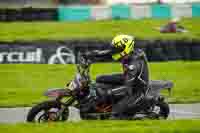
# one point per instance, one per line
(112, 80)
(104, 86)
(107, 89)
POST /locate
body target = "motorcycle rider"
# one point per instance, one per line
(135, 74)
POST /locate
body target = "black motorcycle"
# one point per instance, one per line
(95, 99)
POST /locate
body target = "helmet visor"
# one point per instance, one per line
(116, 52)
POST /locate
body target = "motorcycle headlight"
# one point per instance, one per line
(72, 86)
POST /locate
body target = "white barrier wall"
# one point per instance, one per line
(142, 11)
(131, 11)
(180, 1)
(100, 12)
(110, 2)
(182, 10)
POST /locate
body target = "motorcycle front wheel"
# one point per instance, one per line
(45, 112)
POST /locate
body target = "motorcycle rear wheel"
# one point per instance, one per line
(158, 111)
(164, 110)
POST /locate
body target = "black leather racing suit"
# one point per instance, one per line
(136, 79)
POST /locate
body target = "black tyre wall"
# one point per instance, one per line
(156, 50)
(29, 14)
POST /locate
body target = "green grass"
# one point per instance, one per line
(178, 126)
(23, 85)
(143, 29)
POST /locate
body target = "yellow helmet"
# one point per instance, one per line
(123, 45)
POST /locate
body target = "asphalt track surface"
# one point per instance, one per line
(178, 111)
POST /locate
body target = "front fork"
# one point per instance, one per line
(62, 114)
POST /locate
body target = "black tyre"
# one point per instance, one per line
(163, 109)
(42, 107)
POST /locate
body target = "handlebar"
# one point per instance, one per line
(83, 59)
(88, 57)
